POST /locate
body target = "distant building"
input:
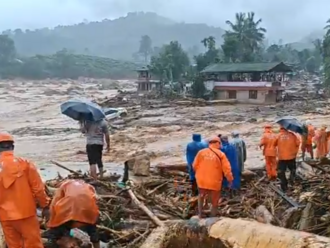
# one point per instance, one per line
(247, 82)
(145, 81)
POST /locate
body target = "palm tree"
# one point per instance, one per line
(247, 31)
(327, 28)
(209, 42)
(255, 33)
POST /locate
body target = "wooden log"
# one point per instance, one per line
(290, 217)
(305, 170)
(152, 216)
(263, 215)
(170, 167)
(242, 233)
(306, 219)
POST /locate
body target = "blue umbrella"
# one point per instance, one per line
(82, 110)
(292, 124)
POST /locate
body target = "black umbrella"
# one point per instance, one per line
(82, 110)
(292, 124)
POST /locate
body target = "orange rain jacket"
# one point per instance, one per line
(287, 145)
(74, 200)
(268, 142)
(20, 188)
(210, 165)
(321, 141)
(311, 134)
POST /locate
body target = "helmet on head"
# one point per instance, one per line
(5, 137)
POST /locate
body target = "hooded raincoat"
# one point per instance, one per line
(74, 201)
(230, 151)
(211, 165)
(192, 149)
(269, 150)
(21, 188)
(321, 141)
(240, 149)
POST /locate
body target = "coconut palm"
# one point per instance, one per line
(247, 31)
(327, 28)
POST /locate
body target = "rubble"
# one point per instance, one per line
(130, 211)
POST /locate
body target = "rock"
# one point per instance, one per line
(248, 175)
(140, 165)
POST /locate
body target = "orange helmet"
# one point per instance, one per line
(268, 126)
(6, 137)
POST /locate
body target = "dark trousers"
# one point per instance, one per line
(194, 187)
(283, 165)
(94, 154)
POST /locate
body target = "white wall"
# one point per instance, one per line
(242, 96)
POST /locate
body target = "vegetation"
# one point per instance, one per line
(117, 39)
(326, 55)
(62, 64)
(244, 41)
(67, 51)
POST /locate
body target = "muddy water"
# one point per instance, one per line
(30, 111)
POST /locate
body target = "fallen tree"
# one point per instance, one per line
(230, 233)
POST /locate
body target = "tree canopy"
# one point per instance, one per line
(118, 38)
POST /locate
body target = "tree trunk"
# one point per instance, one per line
(229, 233)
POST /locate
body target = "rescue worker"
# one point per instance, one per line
(192, 149)
(210, 165)
(20, 189)
(287, 144)
(230, 151)
(74, 206)
(321, 141)
(269, 150)
(240, 149)
(307, 140)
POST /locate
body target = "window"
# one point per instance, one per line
(232, 94)
(253, 94)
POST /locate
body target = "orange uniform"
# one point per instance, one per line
(307, 142)
(287, 145)
(210, 165)
(74, 201)
(268, 143)
(20, 188)
(321, 141)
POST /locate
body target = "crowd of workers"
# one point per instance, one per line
(216, 165)
(22, 191)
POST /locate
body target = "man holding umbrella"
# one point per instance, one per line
(96, 132)
(287, 145)
(93, 124)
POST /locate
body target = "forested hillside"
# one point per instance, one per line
(117, 39)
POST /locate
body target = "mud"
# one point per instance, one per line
(30, 110)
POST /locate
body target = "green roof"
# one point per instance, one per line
(247, 67)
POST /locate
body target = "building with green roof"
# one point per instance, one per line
(247, 82)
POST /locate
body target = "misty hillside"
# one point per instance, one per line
(118, 38)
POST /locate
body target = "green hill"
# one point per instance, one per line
(117, 39)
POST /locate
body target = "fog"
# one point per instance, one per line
(287, 19)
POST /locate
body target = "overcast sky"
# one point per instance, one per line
(287, 19)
